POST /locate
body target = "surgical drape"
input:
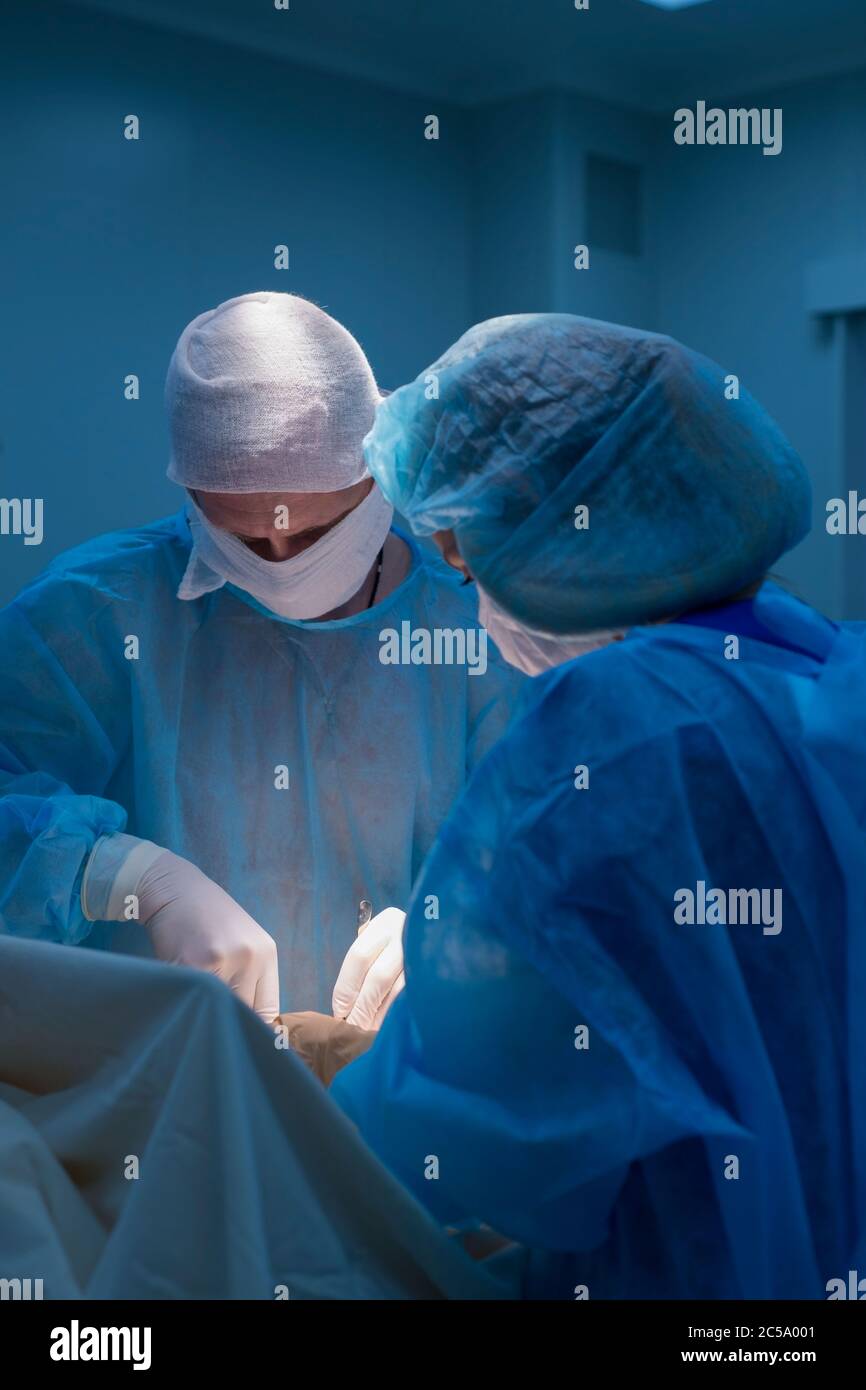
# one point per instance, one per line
(156, 1144)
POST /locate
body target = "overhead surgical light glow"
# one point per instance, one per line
(673, 4)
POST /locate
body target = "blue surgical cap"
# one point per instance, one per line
(692, 492)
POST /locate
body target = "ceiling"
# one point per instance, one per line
(473, 51)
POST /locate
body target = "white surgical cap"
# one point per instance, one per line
(267, 393)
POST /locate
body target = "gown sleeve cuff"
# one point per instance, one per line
(113, 873)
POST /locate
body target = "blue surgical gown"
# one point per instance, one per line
(651, 1108)
(179, 736)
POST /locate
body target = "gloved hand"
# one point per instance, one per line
(371, 976)
(190, 919)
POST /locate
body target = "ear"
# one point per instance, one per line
(446, 541)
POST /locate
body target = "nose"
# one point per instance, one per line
(273, 547)
(280, 547)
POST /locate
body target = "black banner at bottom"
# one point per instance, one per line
(267, 1338)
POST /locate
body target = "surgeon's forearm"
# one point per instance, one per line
(47, 834)
(64, 726)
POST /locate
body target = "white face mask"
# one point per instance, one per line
(533, 652)
(317, 580)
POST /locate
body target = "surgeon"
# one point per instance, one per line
(632, 1036)
(202, 754)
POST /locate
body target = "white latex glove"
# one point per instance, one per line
(371, 976)
(192, 921)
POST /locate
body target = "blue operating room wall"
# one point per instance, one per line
(531, 208)
(720, 255)
(110, 246)
(734, 236)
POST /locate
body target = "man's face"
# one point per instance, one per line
(253, 516)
